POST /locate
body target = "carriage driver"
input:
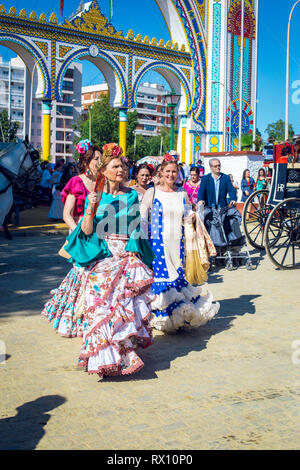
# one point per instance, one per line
(215, 186)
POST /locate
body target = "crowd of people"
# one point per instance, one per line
(138, 247)
(141, 177)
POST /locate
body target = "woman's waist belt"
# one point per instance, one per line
(117, 236)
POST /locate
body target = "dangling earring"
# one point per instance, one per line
(106, 181)
(87, 173)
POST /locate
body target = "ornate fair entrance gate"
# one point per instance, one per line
(193, 63)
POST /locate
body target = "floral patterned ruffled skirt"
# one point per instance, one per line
(65, 307)
(117, 313)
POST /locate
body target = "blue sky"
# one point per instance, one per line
(273, 19)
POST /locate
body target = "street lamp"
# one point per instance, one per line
(90, 123)
(287, 75)
(172, 100)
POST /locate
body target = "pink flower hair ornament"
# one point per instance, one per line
(112, 150)
(83, 146)
(171, 156)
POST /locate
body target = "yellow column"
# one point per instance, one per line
(47, 105)
(123, 129)
(183, 138)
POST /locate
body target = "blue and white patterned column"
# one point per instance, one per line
(216, 75)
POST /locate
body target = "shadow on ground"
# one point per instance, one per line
(167, 348)
(26, 429)
(36, 269)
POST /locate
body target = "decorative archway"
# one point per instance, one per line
(200, 60)
(30, 55)
(175, 78)
(111, 70)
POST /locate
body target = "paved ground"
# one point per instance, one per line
(229, 385)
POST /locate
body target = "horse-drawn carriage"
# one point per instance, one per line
(271, 217)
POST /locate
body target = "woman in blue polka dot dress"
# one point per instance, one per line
(177, 303)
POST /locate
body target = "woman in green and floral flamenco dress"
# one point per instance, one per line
(117, 259)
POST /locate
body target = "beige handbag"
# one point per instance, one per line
(63, 253)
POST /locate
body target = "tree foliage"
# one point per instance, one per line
(276, 130)
(8, 128)
(104, 124)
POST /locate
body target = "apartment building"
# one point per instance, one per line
(92, 93)
(153, 113)
(63, 115)
(152, 109)
(13, 79)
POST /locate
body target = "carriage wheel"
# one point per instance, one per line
(255, 213)
(282, 234)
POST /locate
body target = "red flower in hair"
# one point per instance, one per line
(169, 158)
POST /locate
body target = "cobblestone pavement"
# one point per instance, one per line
(231, 384)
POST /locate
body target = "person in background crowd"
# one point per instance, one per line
(132, 170)
(186, 169)
(247, 185)
(61, 162)
(57, 205)
(57, 174)
(46, 182)
(235, 186)
(142, 178)
(128, 181)
(181, 175)
(69, 171)
(261, 181)
(200, 166)
(215, 186)
(156, 176)
(192, 185)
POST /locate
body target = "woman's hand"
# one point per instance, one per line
(93, 199)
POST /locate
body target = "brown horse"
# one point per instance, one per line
(296, 151)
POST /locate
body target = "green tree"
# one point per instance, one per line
(276, 130)
(154, 145)
(104, 123)
(258, 142)
(142, 146)
(166, 133)
(8, 128)
(247, 142)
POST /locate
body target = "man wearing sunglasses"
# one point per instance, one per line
(215, 186)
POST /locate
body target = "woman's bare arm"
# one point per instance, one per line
(68, 211)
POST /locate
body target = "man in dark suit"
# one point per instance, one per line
(215, 186)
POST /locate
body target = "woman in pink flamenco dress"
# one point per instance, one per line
(64, 308)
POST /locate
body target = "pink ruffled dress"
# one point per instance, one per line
(76, 187)
(64, 308)
(192, 192)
